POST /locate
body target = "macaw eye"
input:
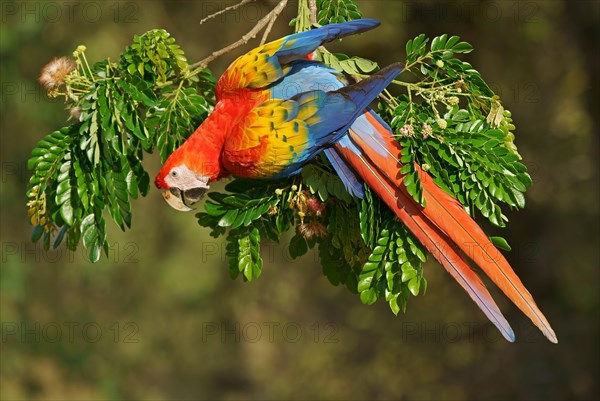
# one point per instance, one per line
(173, 173)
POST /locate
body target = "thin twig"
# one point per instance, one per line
(312, 6)
(271, 22)
(224, 11)
(245, 39)
(267, 31)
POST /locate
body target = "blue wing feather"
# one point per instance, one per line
(338, 110)
(300, 44)
(335, 109)
(267, 64)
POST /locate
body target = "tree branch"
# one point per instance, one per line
(312, 6)
(271, 22)
(245, 39)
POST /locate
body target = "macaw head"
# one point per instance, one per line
(181, 183)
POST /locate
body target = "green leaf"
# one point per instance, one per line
(248, 256)
(462, 47)
(64, 191)
(228, 218)
(414, 286)
(36, 233)
(365, 65)
(59, 237)
(298, 246)
(214, 209)
(368, 296)
(408, 272)
(501, 243)
(519, 198)
(89, 234)
(393, 302)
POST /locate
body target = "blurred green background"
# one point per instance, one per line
(160, 319)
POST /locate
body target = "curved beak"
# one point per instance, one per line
(174, 198)
(179, 200)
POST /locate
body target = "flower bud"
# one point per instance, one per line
(312, 229)
(315, 207)
(75, 113)
(426, 131)
(54, 73)
(453, 100)
(407, 130)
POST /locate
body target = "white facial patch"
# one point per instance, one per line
(183, 178)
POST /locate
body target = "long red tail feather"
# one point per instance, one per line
(442, 220)
(436, 242)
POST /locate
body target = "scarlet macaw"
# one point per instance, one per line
(276, 110)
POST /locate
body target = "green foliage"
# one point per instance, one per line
(120, 111)
(328, 12)
(349, 65)
(302, 21)
(395, 265)
(322, 181)
(253, 210)
(243, 251)
(360, 243)
(333, 11)
(448, 122)
(451, 124)
(154, 53)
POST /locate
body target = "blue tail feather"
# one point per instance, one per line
(329, 115)
(352, 183)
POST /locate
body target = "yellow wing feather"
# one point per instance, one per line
(255, 69)
(271, 138)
